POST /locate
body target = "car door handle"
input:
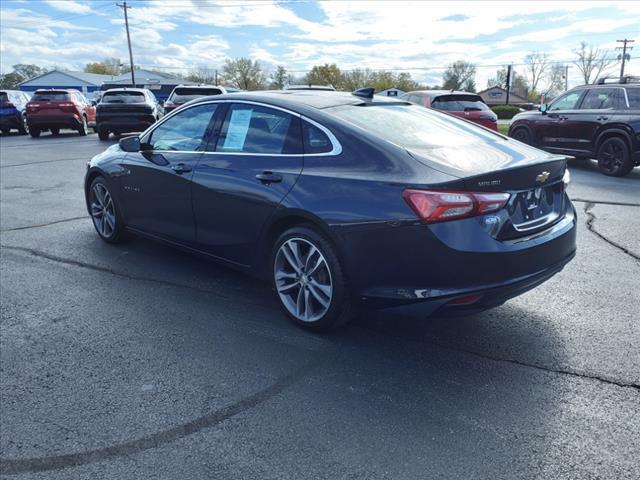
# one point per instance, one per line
(180, 168)
(562, 117)
(602, 118)
(269, 177)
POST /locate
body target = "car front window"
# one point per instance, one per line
(183, 131)
(566, 102)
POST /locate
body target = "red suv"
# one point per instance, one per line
(56, 109)
(461, 104)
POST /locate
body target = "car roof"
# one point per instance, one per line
(318, 99)
(65, 90)
(122, 89)
(437, 93)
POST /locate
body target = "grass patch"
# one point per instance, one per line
(503, 129)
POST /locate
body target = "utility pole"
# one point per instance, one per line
(508, 83)
(623, 57)
(125, 7)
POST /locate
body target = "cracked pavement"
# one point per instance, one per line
(138, 361)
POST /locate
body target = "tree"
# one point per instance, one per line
(536, 64)
(519, 84)
(279, 78)
(109, 66)
(244, 73)
(459, 75)
(21, 72)
(554, 82)
(202, 75)
(325, 75)
(591, 61)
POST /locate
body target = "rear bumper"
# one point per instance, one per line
(54, 121)
(125, 124)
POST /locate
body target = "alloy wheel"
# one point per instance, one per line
(303, 279)
(102, 210)
(612, 157)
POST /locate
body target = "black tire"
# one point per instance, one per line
(103, 134)
(522, 135)
(614, 157)
(95, 129)
(340, 306)
(84, 127)
(24, 128)
(55, 131)
(34, 132)
(111, 233)
(6, 131)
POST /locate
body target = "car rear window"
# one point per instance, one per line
(633, 94)
(50, 96)
(411, 126)
(182, 95)
(459, 103)
(123, 97)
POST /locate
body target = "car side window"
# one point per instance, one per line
(633, 95)
(252, 128)
(566, 102)
(185, 131)
(599, 99)
(314, 139)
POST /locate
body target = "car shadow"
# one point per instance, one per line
(591, 165)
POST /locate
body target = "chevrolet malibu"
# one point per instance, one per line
(342, 201)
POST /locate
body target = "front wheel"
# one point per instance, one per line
(103, 134)
(309, 280)
(24, 128)
(34, 132)
(105, 213)
(614, 157)
(522, 135)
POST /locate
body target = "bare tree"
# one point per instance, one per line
(536, 66)
(591, 61)
(554, 82)
(459, 75)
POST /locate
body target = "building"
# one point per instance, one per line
(498, 96)
(161, 84)
(87, 83)
(391, 92)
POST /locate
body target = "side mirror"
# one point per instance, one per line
(130, 144)
(543, 108)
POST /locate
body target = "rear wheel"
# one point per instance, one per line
(105, 213)
(34, 132)
(309, 281)
(103, 133)
(55, 131)
(522, 135)
(24, 128)
(84, 127)
(614, 157)
(6, 131)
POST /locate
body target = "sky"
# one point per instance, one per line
(421, 38)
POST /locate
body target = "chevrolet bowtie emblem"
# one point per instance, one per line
(543, 177)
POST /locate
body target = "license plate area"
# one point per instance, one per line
(535, 209)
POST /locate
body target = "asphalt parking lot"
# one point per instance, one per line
(141, 362)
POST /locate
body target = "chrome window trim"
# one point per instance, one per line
(336, 150)
(626, 97)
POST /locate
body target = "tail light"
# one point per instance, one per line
(433, 206)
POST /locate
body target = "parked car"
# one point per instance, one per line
(342, 201)
(13, 107)
(126, 110)
(599, 121)
(185, 93)
(461, 104)
(55, 109)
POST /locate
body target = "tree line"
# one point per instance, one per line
(537, 76)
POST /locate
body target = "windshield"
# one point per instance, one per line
(123, 97)
(183, 95)
(459, 103)
(411, 126)
(50, 96)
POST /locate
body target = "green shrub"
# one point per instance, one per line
(505, 112)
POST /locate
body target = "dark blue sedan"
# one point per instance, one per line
(342, 201)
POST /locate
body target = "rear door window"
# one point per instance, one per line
(123, 97)
(252, 128)
(600, 99)
(184, 131)
(459, 103)
(633, 95)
